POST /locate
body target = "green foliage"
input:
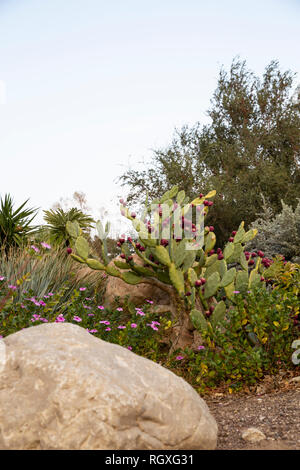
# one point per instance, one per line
(253, 339)
(42, 271)
(56, 221)
(139, 330)
(250, 146)
(168, 261)
(15, 225)
(279, 234)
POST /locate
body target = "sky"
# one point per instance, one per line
(90, 87)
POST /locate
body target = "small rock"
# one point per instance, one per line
(295, 379)
(253, 435)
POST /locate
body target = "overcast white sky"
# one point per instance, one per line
(92, 85)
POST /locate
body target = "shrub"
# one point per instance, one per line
(254, 339)
(278, 234)
(15, 223)
(56, 224)
(40, 269)
(193, 276)
(137, 329)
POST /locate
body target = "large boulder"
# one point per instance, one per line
(137, 294)
(62, 388)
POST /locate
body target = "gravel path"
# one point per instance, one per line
(276, 414)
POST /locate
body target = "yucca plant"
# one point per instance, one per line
(15, 223)
(56, 224)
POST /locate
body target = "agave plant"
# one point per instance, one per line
(15, 223)
(57, 220)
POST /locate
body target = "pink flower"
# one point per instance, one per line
(108, 329)
(92, 331)
(179, 358)
(120, 309)
(91, 314)
(50, 293)
(149, 301)
(82, 288)
(45, 245)
(87, 306)
(60, 318)
(133, 325)
(42, 303)
(129, 347)
(101, 307)
(2, 278)
(200, 347)
(121, 327)
(139, 312)
(12, 287)
(78, 319)
(105, 322)
(44, 320)
(35, 248)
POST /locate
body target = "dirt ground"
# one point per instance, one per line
(273, 408)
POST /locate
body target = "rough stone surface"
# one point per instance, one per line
(62, 388)
(253, 435)
(137, 293)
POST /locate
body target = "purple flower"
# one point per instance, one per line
(120, 309)
(129, 347)
(133, 325)
(76, 318)
(108, 329)
(101, 307)
(149, 301)
(2, 278)
(121, 327)
(92, 331)
(41, 302)
(45, 245)
(236, 291)
(82, 288)
(50, 293)
(35, 248)
(200, 347)
(60, 318)
(87, 306)
(105, 322)
(139, 312)
(179, 358)
(12, 287)
(91, 314)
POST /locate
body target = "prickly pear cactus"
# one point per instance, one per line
(191, 269)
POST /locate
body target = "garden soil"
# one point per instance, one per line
(273, 407)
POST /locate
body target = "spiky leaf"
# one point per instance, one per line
(176, 278)
(218, 313)
(73, 228)
(212, 285)
(131, 278)
(82, 247)
(228, 277)
(95, 264)
(198, 320)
